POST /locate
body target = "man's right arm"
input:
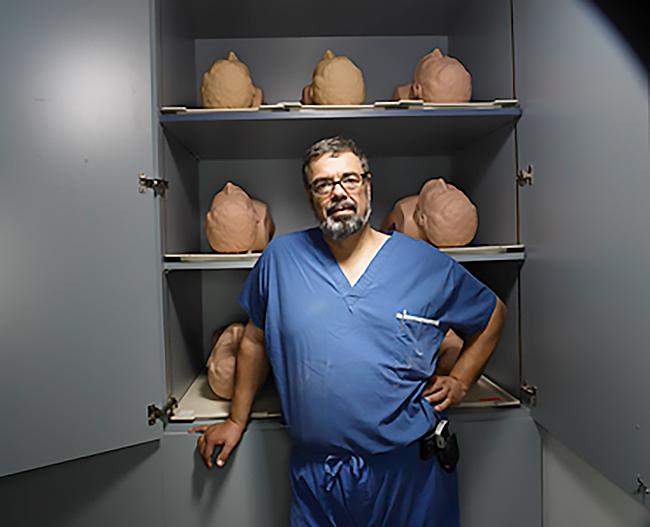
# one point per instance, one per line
(251, 371)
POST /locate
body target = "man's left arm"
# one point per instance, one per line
(444, 391)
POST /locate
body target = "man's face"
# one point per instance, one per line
(342, 212)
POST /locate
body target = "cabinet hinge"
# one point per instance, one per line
(154, 413)
(528, 393)
(641, 488)
(159, 186)
(525, 177)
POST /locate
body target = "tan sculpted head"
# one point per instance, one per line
(228, 84)
(236, 223)
(336, 80)
(438, 79)
(440, 214)
(445, 214)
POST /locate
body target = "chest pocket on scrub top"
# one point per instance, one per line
(421, 338)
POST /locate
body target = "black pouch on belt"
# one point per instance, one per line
(441, 441)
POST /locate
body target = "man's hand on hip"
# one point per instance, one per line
(444, 391)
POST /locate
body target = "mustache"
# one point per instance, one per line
(342, 204)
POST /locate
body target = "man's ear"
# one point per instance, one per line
(369, 186)
(310, 196)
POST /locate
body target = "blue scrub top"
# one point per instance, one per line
(350, 362)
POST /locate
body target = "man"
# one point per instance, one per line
(351, 319)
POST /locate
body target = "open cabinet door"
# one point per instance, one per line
(80, 325)
(585, 222)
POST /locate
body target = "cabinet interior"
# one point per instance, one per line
(471, 147)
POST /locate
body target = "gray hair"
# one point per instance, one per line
(335, 146)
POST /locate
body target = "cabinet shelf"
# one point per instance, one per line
(285, 130)
(200, 402)
(204, 262)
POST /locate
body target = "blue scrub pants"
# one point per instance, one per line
(395, 489)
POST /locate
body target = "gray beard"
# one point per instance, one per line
(340, 229)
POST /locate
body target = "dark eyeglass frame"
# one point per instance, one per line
(345, 179)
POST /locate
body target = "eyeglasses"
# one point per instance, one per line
(350, 181)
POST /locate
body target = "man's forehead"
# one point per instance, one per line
(334, 161)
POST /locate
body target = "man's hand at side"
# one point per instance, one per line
(225, 434)
(251, 370)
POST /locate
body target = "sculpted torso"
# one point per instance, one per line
(223, 360)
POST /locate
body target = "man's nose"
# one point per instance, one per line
(338, 189)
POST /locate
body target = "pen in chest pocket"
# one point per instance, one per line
(405, 316)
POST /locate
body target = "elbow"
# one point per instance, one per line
(501, 307)
(499, 315)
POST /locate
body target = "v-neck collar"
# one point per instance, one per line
(351, 293)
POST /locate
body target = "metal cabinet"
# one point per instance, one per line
(470, 145)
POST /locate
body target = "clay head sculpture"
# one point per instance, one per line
(445, 214)
(440, 214)
(228, 84)
(437, 79)
(236, 223)
(401, 219)
(223, 360)
(336, 80)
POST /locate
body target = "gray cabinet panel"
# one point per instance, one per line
(500, 469)
(79, 274)
(251, 489)
(119, 488)
(585, 288)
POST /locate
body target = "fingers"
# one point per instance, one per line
(198, 429)
(206, 449)
(443, 405)
(441, 399)
(224, 435)
(443, 392)
(226, 449)
(436, 389)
